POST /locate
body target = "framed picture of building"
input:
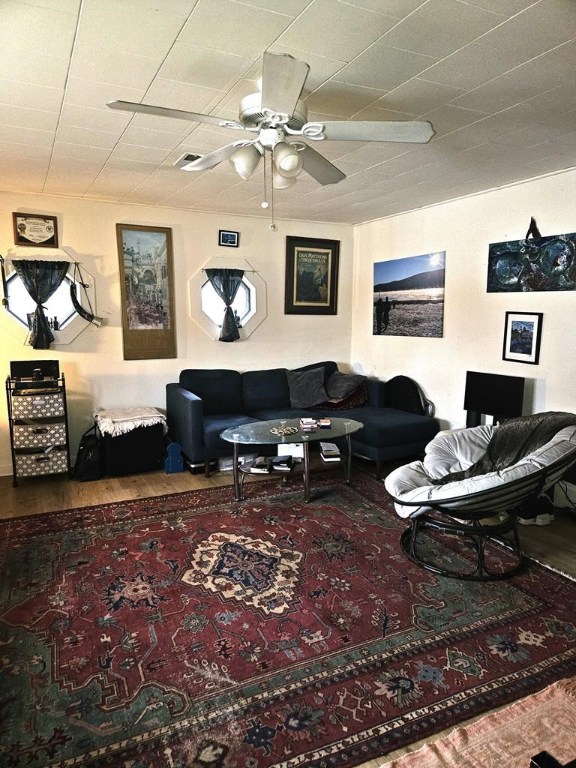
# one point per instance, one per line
(147, 291)
(311, 276)
(522, 334)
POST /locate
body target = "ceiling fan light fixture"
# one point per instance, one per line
(280, 181)
(245, 160)
(278, 116)
(287, 159)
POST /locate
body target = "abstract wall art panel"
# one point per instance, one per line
(534, 264)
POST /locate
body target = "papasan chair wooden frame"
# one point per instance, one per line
(480, 510)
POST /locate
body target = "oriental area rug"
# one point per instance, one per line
(193, 631)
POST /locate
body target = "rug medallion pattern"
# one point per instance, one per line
(192, 631)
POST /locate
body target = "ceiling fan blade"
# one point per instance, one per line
(283, 78)
(180, 114)
(203, 162)
(319, 168)
(415, 131)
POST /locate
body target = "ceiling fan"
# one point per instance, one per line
(278, 117)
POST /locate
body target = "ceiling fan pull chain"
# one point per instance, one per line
(264, 203)
(272, 224)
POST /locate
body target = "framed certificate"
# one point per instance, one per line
(35, 230)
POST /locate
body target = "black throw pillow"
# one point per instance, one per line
(306, 388)
(340, 385)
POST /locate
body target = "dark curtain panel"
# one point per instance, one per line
(226, 283)
(41, 279)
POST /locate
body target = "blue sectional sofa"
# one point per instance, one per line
(398, 420)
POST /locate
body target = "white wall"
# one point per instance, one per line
(473, 319)
(98, 376)
(96, 373)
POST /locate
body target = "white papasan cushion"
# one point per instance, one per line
(456, 450)
(411, 483)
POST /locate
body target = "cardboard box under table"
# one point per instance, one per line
(132, 439)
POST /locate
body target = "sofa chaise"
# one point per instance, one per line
(398, 419)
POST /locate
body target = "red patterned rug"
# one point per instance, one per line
(192, 631)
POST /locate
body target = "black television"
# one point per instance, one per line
(492, 394)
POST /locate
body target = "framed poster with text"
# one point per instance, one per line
(311, 276)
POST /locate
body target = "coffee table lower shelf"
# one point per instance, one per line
(297, 471)
(275, 433)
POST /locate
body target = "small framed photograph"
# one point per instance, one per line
(228, 238)
(311, 276)
(35, 230)
(522, 334)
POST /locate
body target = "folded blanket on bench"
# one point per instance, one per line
(119, 421)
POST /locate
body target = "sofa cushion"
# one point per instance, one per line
(219, 388)
(215, 425)
(265, 389)
(390, 427)
(292, 415)
(306, 387)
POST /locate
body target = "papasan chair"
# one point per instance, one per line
(462, 499)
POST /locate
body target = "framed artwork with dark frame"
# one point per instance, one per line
(311, 276)
(35, 230)
(228, 238)
(522, 335)
(147, 291)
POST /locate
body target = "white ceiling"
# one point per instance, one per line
(495, 77)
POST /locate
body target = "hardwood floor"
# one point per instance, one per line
(554, 544)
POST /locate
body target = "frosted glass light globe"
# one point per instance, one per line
(245, 160)
(287, 159)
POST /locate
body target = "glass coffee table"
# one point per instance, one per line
(279, 431)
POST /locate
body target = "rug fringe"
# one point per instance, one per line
(553, 568)
(568, 685)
